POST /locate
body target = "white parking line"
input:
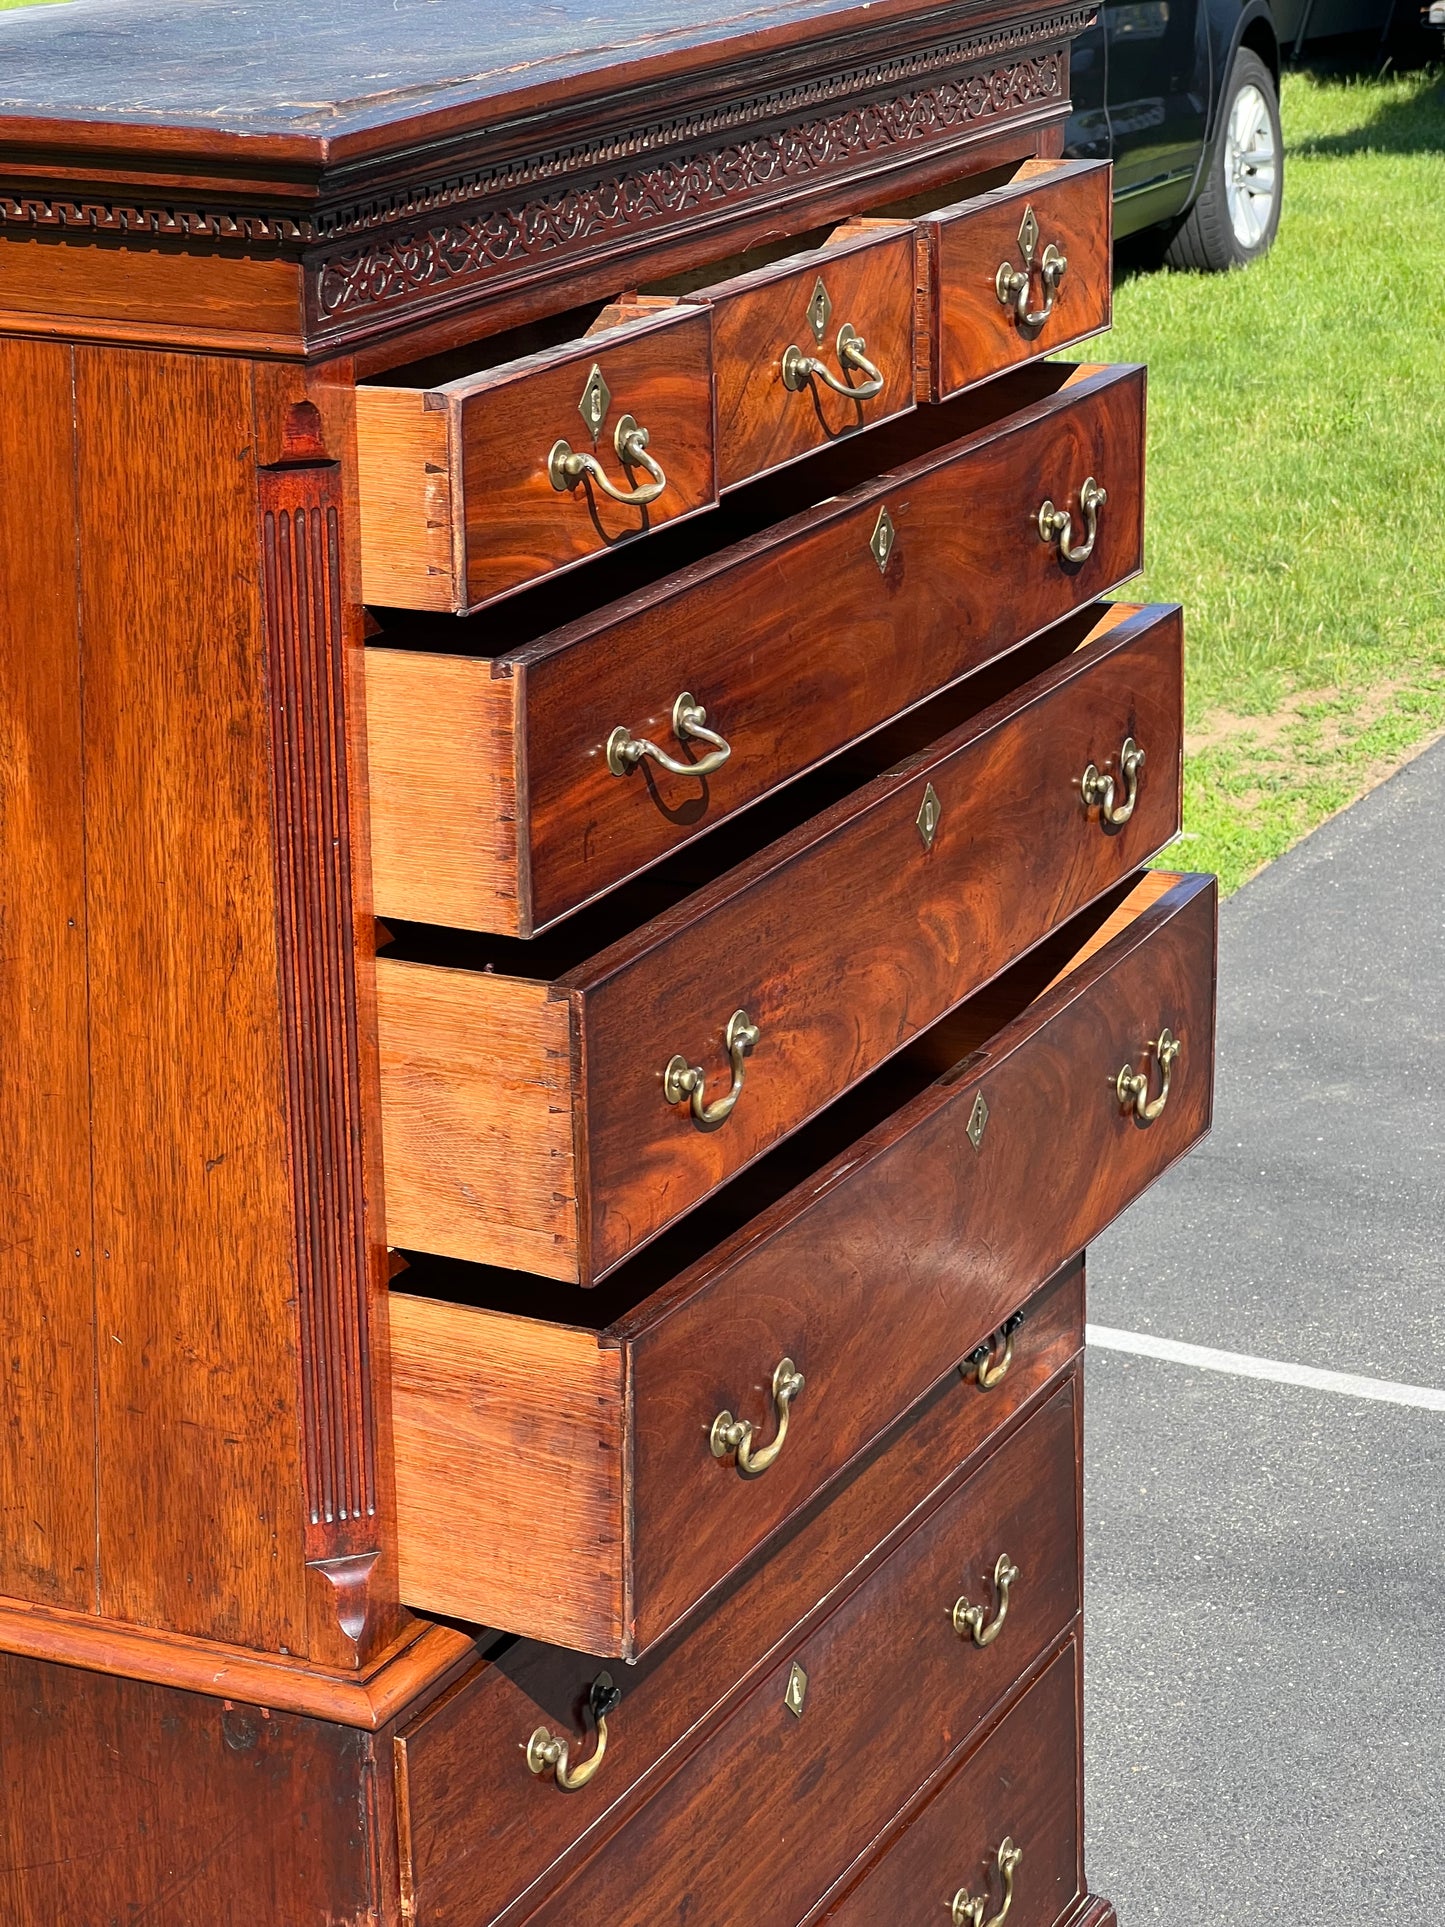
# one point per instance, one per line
(1277, 1370)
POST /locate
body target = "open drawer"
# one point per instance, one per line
(1014, 273)
(470, 488)
(554, 1105)
(495, 804)
(578, 1469)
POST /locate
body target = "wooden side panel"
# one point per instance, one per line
(775, 1808)
(509, 1472)
(1020, 1785)
(47, 1321)
(404, 489)
(442, 741)
(517, 526)
(123, 1801)
(200, 1484)
(476, 1095)
(847, 938)
(972, 333)
(761, 423)
(901, 1256)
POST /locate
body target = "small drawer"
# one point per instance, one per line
(494, 803)
(844, 1723)
(812, 348)
(582, 1484)
(483, 1840)
(553, 1106)
(1018, 272)
(1004, 1824)
(470, 489)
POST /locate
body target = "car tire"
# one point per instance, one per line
(1236, 213)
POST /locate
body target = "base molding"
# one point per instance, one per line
(1092, 1911)
(424, 1657)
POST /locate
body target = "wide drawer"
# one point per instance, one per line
(1004, 1824)
(555, 1121)
(470, 488)
(812, 348)
(494, 805)
(1018, 272)
(483, 1840)
(854, 1719)
(567, 1482)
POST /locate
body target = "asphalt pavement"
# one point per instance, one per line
(1265, 1669)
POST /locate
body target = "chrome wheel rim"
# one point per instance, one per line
(1251, 171)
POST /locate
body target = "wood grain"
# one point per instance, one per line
(1019, 1785)
(508, 525)
(509, 1468)
(882, 1713)
(415, 1665)
(125, 1800)
(788, 636)
(47, 1315)
(899, 1247)
(404, 477)
(970, 335)
(475, 1071)
(447, 841)
(763, 425)
(1014, 855)
(484, 1847)
(200, 1484)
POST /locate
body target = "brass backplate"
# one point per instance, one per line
(595, 402)
(797, 1690)
(977, 1121)
(820, 311)
(930, 814)
(883, 540)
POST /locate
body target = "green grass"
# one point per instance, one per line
(1296, 481)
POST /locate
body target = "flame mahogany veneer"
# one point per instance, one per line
(329, 1493)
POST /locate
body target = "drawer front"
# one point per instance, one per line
(787, 338)
(851, 1722)
(844, 941)
(995, 294)
(1019, 1790)
(479, 1831)
(517, 506)
(794, 642)
(874, 1277)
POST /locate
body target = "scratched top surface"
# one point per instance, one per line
(333, 67)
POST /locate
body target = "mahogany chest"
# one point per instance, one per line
(580, 959)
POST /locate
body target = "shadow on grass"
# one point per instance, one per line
(1396, 127)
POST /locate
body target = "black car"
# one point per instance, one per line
(1184, 96)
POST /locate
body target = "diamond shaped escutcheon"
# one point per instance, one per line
(595, 402)
(1028, 235)
(820, 311)
(977, 1121)
(930, 813)
(797, 1691)
(882, 540)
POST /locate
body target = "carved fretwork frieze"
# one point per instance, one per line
(395, 269)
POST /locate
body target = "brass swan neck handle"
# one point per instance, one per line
(799, 369)
(1132, 1087)
(1097, 789)
(689, 723)
(735, 1436)
(566, 467)
(683, 1080)
(1057, 525)
(549, 1752)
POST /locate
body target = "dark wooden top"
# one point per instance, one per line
(341, 171)
(325, 70)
